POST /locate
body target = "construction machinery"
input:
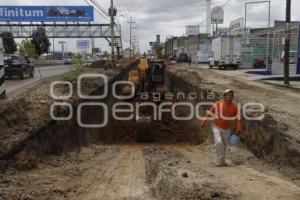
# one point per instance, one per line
(151, 80)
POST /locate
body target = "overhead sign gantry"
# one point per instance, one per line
(58, 21)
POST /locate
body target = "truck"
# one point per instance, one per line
(227, 51)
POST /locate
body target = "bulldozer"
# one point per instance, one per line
(151, 80)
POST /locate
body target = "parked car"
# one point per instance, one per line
(183, 57)
(16, 65)
(68, 61)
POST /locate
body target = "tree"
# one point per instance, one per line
(158, 50)
(105, 55)
(40, 41)
(78, 59)
(9, 43)
(27, 49)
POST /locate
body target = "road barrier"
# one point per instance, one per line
(2, 75)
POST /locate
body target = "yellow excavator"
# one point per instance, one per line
(150, 80)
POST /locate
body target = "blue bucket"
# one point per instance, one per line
(234, 139)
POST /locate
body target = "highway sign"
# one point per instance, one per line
(46, 13)
(83, 44)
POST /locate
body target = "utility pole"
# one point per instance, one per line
(135, 45)
(287, 44)
(62, 43)
(130, 37)
(112, 13)
(93, 48)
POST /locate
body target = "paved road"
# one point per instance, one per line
(15, 86)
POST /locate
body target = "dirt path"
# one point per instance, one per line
(250, 183)
(123, 179)
(133, 172)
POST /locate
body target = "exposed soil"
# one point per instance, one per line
(275, 137)
(41, 159)
(148, 172)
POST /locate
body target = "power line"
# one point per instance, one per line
(105, 17)
(97, 11)
(130, 27)
(181, 5)
(100, 7)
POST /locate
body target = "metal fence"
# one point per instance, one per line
(256, 50)
(278, 44)
(278, 50)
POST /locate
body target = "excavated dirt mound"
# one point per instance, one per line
(168, 181)
(57, 177)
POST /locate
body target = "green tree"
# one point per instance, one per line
(27, 49)
(159, 50)
(9, 43)
(105, 54)
(78, 60)
(40, 41)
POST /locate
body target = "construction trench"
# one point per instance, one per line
(60, 160)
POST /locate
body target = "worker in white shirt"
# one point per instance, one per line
(211, 62)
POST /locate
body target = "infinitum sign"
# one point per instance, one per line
(46, 13)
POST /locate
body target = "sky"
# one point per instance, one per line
(168, 17)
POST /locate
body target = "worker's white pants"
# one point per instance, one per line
(221, 139)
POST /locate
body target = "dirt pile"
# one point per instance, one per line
(20, 118)
(26, 124)
(168, 180)
(57, 177)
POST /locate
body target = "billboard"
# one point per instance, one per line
(192, 30)
(46, 13)
(83, 44)
(217, 15)
(237, 26)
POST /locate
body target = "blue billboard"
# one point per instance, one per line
(83, 44)
(46, 13)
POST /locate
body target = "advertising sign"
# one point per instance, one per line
(46, 13)
(217, 15)
(192, 30)
(83, 44)
(237, 26)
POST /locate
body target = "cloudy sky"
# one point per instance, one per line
(169, 17)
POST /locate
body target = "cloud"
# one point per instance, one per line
(169, 17)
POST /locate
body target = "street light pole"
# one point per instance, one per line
(62, 48)
(287, 44)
